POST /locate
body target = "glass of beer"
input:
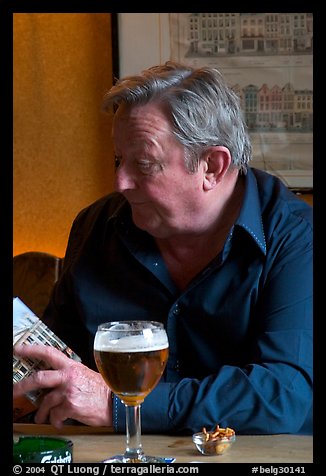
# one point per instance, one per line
(131, 357)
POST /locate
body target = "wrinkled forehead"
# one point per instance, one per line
(151, 117)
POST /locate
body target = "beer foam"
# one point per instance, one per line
(147, 342)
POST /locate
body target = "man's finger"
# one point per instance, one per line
(49, 402)
(37, 380)
(52, 356)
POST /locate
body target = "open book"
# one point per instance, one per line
(29, 329)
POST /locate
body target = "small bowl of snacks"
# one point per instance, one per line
(215, 442)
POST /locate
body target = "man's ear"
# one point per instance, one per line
(217, 160)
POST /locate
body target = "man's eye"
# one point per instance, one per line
(148, 167)
(145, 165)
(117, 161)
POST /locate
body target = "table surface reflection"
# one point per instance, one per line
(93, 445)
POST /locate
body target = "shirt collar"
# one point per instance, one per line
(250, 217)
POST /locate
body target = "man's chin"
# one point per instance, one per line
(147, 225)
(141, 221)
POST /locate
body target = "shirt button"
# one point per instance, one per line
(176, 310)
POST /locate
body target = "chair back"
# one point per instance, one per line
(34, 275)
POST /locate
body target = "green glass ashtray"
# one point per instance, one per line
(42, 449)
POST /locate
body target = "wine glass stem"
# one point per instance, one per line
(133, 432)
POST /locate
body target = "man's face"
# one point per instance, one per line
(165, 198)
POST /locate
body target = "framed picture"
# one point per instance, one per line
(267, 58)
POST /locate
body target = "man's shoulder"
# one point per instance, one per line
(91, 221)
(275, 195)
(106, 206)
(283, 214)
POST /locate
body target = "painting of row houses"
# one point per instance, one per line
(276, 108)
(218, 34)
(267, 59)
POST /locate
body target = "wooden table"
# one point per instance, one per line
(93, 445)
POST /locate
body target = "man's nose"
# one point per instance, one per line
(124, 179)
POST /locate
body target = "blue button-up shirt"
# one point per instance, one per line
(240, 334)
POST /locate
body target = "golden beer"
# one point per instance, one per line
(131, 375)
(131, 364)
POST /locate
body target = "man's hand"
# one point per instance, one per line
(74, 391)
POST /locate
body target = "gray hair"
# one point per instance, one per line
(204, 110)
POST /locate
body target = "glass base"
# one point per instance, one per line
(140, 459)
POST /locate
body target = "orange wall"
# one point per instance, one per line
(63, 156)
